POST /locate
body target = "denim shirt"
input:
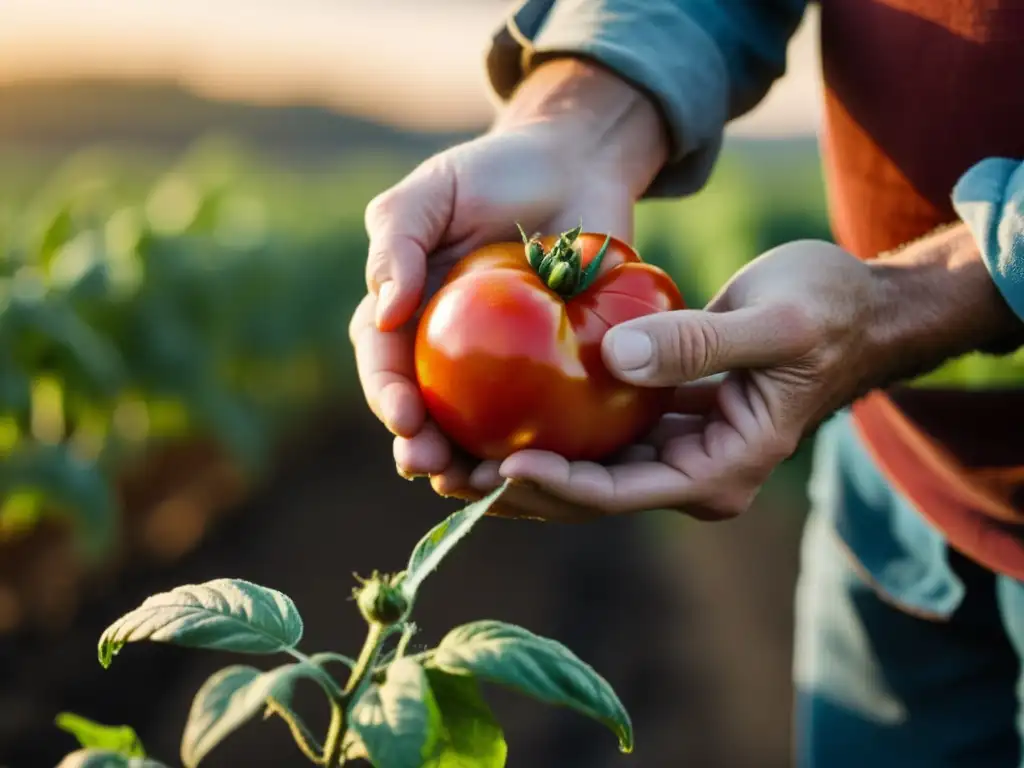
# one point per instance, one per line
(705, 62)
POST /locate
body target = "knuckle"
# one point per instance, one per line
(377, 267)
(793, 318)
(380, 208)
(693, 348)
(687, 348)
(361, 319)
(796, 325)
(734, 504)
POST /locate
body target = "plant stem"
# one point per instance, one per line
(367, 657)
(375, 637)
(407, 632)
(335, 735)
(307, 744)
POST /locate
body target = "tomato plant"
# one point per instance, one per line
(128, 320)
(396, 706)
(508, 351)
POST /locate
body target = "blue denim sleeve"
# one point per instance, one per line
(703, 62)
(990, 200)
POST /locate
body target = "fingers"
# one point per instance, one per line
(698, 397)
(427, 452)
(621, 488)
(710, 467)
(521, 502)
(671, 348)
(531, 502)
(384, 362)
(405, 224)
(454, 482)
(631, 487)
(673, 426)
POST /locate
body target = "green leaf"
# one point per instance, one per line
(93, 355)
(225, 614)
(15, 387)
(231, 697)
(230, 420)
(536, 666)
(471, 737)
(433, 547)
(67, 483)
(78, 268)
(102, 758)
(117, 738)
(352, 747)
(398, 722)
(56, 232)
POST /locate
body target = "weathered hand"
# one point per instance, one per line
(547, 165)
(800, 332)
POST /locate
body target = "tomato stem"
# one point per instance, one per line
(561, 268)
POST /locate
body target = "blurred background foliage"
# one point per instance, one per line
(178, 402)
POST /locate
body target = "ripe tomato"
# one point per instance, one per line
(506, 362)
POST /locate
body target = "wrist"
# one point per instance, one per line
(935, 300)
(593, 119)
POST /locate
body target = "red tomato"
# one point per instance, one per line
(506, 363)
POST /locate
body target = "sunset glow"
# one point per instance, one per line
(393, 60)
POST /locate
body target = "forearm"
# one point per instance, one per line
(935, 300)
(700, 61)
(960, 289)
(597, 119)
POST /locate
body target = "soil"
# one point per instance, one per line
(691, 629)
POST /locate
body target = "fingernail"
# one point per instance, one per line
(384, 295)
(631, 349)
(529, 485)
(408, 475)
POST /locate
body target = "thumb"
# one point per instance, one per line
(671, 348)
(405, 224)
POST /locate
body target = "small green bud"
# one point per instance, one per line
(561, 278)
(381, 601)
(548, 263)
(534, 254)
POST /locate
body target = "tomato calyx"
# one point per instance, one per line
(561, 269)
(381, 600)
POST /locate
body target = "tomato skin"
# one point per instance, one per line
(506, 364)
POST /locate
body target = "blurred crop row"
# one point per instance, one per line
(137, 310)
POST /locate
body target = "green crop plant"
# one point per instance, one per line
(393, 706)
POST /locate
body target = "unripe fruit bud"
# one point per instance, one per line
(381, 601)
(560, 277)
(544, 270)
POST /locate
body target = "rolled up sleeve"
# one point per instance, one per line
(989, 198)
(703, 62)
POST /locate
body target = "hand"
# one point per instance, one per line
(800, 332)
(576, 143)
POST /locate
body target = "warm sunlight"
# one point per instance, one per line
(394, 61)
